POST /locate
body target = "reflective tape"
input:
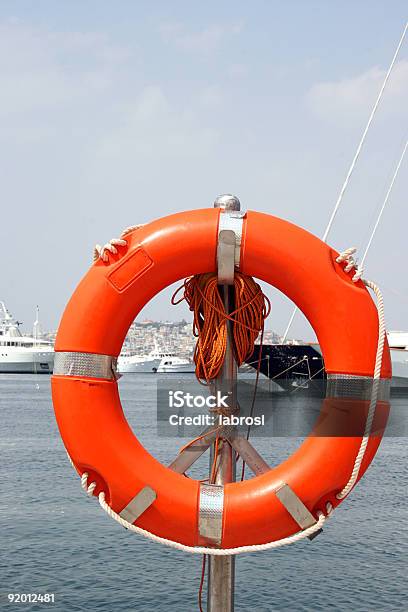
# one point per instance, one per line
(211, 507)
(90, 365)
(356, 387)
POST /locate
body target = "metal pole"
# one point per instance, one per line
(221, 570)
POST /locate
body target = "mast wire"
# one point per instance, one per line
(384, 204)
(353, 163)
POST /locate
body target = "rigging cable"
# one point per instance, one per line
(353, 163)
(384, 204)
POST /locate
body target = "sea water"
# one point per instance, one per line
(56, 540)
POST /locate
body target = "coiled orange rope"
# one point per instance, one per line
(251, 307)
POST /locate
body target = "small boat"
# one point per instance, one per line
(154, 362)
(131, 363)
(20, 354)
(398, 342)
(172, 364)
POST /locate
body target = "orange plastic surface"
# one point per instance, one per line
(89, 414)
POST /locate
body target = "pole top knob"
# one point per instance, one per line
(227, 201)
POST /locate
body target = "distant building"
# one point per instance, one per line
(165, 336)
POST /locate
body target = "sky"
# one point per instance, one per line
(114, 114)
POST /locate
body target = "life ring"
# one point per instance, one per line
(94, 325)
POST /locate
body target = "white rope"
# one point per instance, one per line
(89, 489)
(70, 460)
(102, 252)
(347, 257)
(353, 163)
(203, 550)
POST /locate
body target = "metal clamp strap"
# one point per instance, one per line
(138, 504)
(296, 508)
(232, 220)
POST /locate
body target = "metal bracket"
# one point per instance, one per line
(138, 504)
(249, 454)
(226, 257)
(233, 220)
(296, 508)
(189, 455)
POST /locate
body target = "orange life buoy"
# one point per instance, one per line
(87, 405)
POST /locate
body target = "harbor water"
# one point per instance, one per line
(56, 540)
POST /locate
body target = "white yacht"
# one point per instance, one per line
(398, 342)
(130, 363)
(157, 361)
(20, 354)
(177, 365)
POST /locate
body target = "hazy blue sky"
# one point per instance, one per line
(114, 113)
